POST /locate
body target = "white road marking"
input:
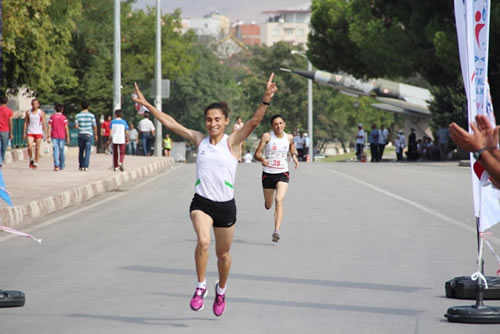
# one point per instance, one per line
(430, 211)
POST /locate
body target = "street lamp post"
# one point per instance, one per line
(159, 135)
(309, 105)
(117, 100)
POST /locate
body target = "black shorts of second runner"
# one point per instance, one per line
(222, 213)
(269, 181)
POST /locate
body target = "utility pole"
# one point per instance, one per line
(117, 98)
(310, 113)
(158, 125)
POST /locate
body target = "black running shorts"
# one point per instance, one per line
(269, 181)
(222, 213)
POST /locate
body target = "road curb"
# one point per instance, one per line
(21, 214)
(14, 155)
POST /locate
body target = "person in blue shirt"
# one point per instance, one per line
(373, 140)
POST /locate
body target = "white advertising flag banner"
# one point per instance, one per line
(473, 25)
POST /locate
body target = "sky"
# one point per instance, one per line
(234, 9)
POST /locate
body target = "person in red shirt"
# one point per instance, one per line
(106, 132)
(5, 127)
(59, 133)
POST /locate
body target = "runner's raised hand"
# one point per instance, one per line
(271, 89)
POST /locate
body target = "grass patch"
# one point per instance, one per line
(352, 155)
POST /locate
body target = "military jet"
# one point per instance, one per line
(392, 96)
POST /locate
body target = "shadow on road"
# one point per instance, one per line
(173, 322)
(331, 307)
(278, 279)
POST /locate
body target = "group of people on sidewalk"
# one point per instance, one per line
(377, 138)
(115, 134)
(416, 150)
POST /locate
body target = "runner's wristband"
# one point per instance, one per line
(266, 103)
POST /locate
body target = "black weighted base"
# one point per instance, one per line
(11, 298)
(463, 287)
(474, 314)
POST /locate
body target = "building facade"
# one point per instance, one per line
(249, 34)
(290, 25)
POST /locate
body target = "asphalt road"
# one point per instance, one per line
(365, 248)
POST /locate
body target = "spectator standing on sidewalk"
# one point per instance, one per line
(373, 140)
(5, 127)
(412, 152)
(167, 145)
(307, 146)
(300, 143)
(87, 127)
(443, 134)
(59, 134)
(132, 140)
(34, 128)
(383, 138)
(400, 145)
(119, 139)
(105, 133)
(147, 132)
(360, 142)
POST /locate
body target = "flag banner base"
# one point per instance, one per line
(11, 299)
(463, 287)
(474, 314)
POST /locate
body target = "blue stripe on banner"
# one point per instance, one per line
(4, 194)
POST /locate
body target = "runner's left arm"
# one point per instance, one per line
(239, 136)
(293, 151)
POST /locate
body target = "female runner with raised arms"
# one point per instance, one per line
(213, 204)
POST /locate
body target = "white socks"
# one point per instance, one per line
(221, 291)
(201, 285)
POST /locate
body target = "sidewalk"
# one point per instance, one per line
(36, 193)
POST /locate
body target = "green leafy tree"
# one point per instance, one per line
(335, 116)
(209, 81)
(35, 44)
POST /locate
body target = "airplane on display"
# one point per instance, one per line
(410, 101)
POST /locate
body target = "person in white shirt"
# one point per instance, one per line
(34, 129)
(213, 205)
(360, 141)
(300, 143)
(248, 158)
(147, 131)
(383, 137)
(400, 145)
(307, 144)
(276, 145)
(132, 140)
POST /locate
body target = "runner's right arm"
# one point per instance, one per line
(258, 152)
(168, 121)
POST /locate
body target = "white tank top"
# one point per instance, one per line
(215, 170)
(276, 152)
(35, 123)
